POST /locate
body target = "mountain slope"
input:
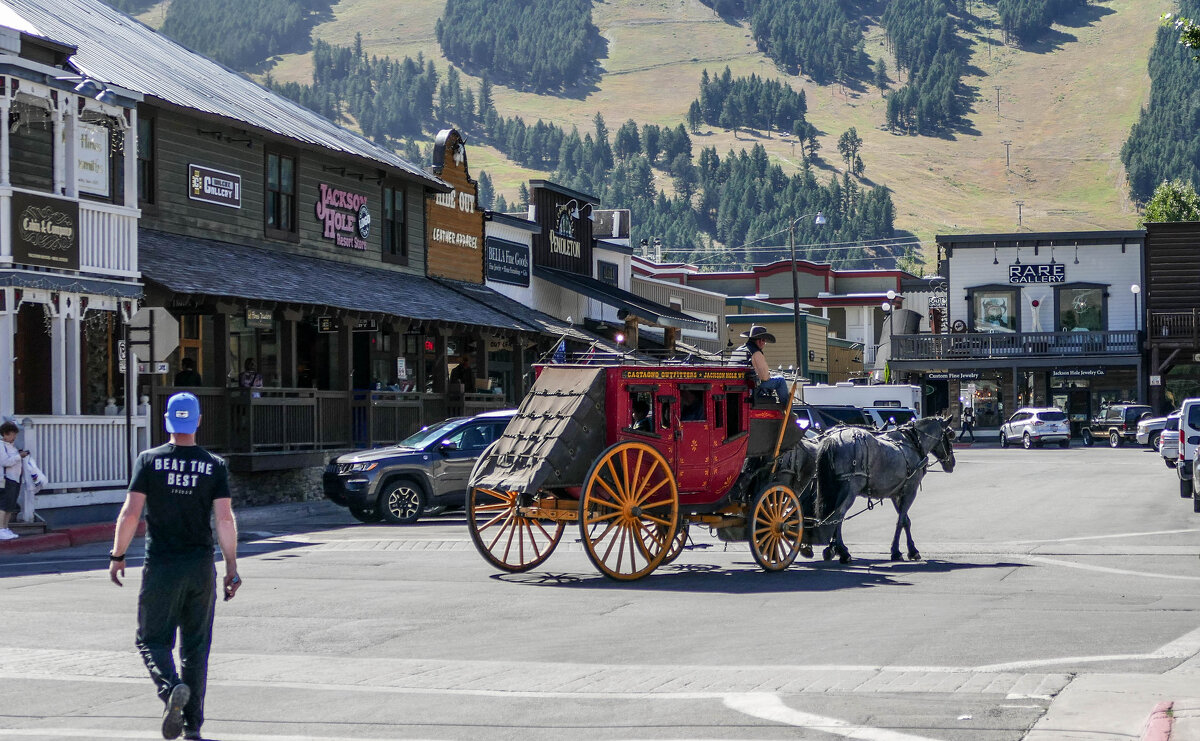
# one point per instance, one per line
(1066, 106)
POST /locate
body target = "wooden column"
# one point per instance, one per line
(518, 362)
(221, 343)
(345, 337)
(631, 333)
(670, 337)
(287, 354)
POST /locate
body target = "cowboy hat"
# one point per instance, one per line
(759, 333)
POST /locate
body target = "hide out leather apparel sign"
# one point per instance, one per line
(45, 231)
(345, 216)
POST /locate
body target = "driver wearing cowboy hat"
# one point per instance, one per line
(752, 354)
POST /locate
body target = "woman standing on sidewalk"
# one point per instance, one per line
(13, 462)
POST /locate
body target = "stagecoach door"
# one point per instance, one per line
(694, 437)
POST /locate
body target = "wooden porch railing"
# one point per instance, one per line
(81, 452)
(267, 420)
(1183, 326)
(1023, 344)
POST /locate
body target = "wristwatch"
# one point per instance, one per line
(113, 557)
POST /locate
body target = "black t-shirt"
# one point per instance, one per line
(180, 483)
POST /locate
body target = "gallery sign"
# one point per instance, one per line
(328, 324)
(45, 231)
(214, 186)
(1055, 272)
(345, 215)
(92, 158)
(507, 262)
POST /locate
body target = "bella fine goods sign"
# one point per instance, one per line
(507, 262)
(45, 231)
(214, 186)
(345, 215)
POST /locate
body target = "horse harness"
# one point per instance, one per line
(914, 437)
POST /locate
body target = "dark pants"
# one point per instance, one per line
(968, 428)
(178, 596)
(11, 495)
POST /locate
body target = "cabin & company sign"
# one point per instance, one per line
(345, 215)
(45, 231)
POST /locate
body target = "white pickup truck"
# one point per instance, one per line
(1188, 467)
(895, 395)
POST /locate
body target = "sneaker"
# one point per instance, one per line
(172, 723)
(7, 534)
(192, 734)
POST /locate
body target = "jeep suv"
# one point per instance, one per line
(1118, 424)
(426, 471)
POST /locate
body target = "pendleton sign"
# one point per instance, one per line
(45, 231)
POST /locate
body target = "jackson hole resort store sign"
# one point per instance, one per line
(507, 262)
(214, 186)
(1050, 273)
(45, 231)
(345, 216)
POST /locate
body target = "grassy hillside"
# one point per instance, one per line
(1065, 105)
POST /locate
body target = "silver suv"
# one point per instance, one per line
(421, 474)
(1036, 426)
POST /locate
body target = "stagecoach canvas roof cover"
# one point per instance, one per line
(557, 433)
(211, 268)
(114, 48)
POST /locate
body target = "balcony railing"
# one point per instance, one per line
(1015, 344)
(1180, 326)
(107, 236)
(79, 452)
(266, 420)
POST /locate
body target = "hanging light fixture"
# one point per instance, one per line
(995, 255)
(1018, 253)
(1076, 253)
(1052, 253)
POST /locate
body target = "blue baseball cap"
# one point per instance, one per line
(183, 414)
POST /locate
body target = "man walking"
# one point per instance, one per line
(968, 423)
(181, 485)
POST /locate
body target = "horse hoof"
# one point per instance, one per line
(914, 556)
(845, 558)
(897, 557)
(806, 551)
(827, 554)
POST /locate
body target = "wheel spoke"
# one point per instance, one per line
(500, 534)
(617, 482)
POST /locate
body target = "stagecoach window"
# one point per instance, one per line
(664, 412)
(640, 405)
(691, 405)
(733, 419)
(718, 412)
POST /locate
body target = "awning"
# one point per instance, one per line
(620, 299)
(70, 284)
(208, 267)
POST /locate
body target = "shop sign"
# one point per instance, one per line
(345, 216)
(1079, 372)
(45, 231)
(1155, 380)
(937, 301)
(1047, 273)
(507, 262)
(214, 186)
(328, 324)
(954, 376)
(260, 319)
(91, 158)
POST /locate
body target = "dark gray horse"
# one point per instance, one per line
(852, 463)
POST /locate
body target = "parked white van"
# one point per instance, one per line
(1189, 439)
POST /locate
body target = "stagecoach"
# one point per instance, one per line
(581, 452)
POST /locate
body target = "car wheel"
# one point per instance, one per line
(1114, 439)
(1064, 443)
(1087, 437)
(1170, 462)
(1026, 441)
(1196, 501)
(402, 501)
(1154, 440)
(366, 514)
(1185, 488)
(1003, 439)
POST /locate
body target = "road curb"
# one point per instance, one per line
(1158, 724)
(96, 532)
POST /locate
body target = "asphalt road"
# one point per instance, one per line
(1041, 567)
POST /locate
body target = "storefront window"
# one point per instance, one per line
(253, 350)
(1081, 309)
(994, 310)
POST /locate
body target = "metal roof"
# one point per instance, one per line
(117, 49)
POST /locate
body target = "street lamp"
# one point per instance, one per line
(818, 221)
(1135, 289)
(889, 308)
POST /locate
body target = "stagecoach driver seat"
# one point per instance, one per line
(752, 355)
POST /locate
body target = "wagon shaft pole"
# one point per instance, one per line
(787, 415)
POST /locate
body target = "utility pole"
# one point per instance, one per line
(1019, 205)
(997, 101)
(1007, 143)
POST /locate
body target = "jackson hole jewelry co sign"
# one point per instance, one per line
(345, 216)
(45, 231)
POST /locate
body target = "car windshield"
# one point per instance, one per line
(1052, 416)
(847, 416)
(900, 415)
(1172, 423)
(426, 435)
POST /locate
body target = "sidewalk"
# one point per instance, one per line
(102, 532)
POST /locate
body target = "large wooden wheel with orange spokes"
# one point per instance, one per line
(776, 526)
(629, 512)
(506, 537)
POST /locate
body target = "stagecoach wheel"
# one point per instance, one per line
(677, 544)
(504, 537)
(629, 513)
(776, 526)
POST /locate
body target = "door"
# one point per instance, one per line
(694, 450)
(455, 456)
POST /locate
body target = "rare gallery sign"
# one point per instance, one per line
(345, 216)
(1054, 272)
(214, 186)
(45, 231)
(507, 262)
